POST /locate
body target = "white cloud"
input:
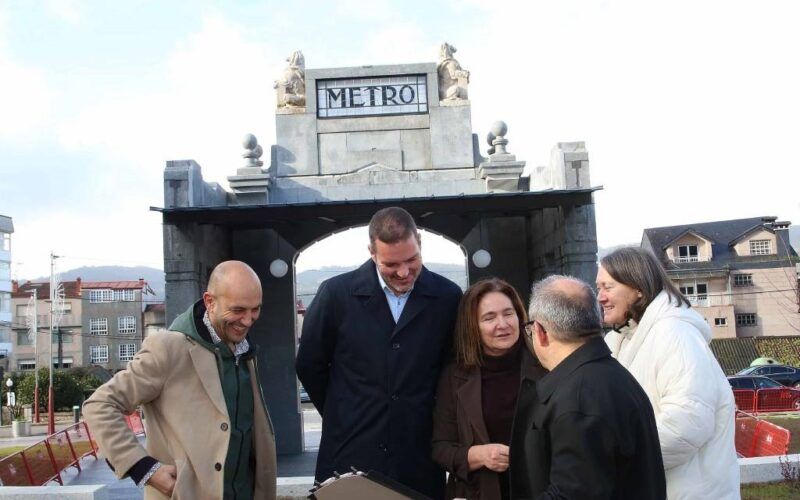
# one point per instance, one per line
(218, 87)
(65, 10)
(24, 95)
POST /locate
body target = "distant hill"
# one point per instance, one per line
(307, 281)
(154, 277)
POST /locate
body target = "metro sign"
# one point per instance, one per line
(388, 95)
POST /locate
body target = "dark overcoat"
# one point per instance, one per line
(458, 424)
(374, 381)
(585, 430)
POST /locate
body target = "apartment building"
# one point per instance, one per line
(112, 321)
(6, 346)
(741, 275)
(32, 351)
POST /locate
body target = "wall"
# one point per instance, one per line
(742, 248)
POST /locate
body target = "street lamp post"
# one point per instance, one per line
(11, 400)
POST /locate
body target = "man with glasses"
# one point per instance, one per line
(586, 429)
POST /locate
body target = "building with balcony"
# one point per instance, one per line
(31, 350)
(6, 346)
(741, 275)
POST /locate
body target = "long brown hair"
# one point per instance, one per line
(467, 338)
(640, 270)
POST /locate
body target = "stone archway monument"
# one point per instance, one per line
(350, 141)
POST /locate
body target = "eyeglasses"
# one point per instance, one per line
(529, 328)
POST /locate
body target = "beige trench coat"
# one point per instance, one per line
(176, 380)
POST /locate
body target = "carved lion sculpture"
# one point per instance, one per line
(453, 79)
(292, 85)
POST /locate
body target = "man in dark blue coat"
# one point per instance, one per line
(373, 342)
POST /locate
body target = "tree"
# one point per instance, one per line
(69, 387)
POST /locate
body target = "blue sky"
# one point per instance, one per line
(689, 108)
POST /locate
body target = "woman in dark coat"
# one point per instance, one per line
(477, 391)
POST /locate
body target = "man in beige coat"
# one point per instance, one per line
(209, 435)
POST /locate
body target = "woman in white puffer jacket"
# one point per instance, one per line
(664, 344)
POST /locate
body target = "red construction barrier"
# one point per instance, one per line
(134, 421)
(759, 438)
(43, 462)
(745, 399)
(781, 399)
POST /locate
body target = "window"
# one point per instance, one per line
(742, 280)
(766, 383)
(5, 242)
(24, 338)
(5, 270)
(98, 354)
(66, 307)
(126, 324)
(22, 311)
(720, 321)
(26, 364)
(101, 295)
(760, 247)
(696, 293)
(66, 337)
(126, 352)
(5, 302)
(746, 319)
(65, 362)
(98, 326)
(124, 295)
(687, 253)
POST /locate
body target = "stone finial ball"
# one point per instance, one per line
(249, 141)
(499, 129)
(490, 137)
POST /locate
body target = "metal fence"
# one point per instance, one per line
(759, 438)
(781, 399)
(44, 461)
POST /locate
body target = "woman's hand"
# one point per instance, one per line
(493, 456)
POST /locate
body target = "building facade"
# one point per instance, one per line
(101, 325)
(741, 275)
(112, 322)
(6, 346)
(31, 350)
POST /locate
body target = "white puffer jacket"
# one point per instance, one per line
(668, 354)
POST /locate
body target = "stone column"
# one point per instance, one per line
(190, 251)
(274, 332)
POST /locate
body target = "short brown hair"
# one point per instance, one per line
(467, 338)
(391, 225)
(640, 270)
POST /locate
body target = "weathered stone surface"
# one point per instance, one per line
(296, 149)
(451, 137)
(291, 86)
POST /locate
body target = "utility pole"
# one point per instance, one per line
(55, 303)
(34, 331)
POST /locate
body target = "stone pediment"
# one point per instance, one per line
(374, 173)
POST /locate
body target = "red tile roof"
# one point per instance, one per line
(72, 289)
(115, 285)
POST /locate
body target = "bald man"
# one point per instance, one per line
(209, 435)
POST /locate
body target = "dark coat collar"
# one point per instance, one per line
(469, 391)
(365, 281)
(592, 350)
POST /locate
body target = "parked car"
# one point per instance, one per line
(752, 383)
(786, 375)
